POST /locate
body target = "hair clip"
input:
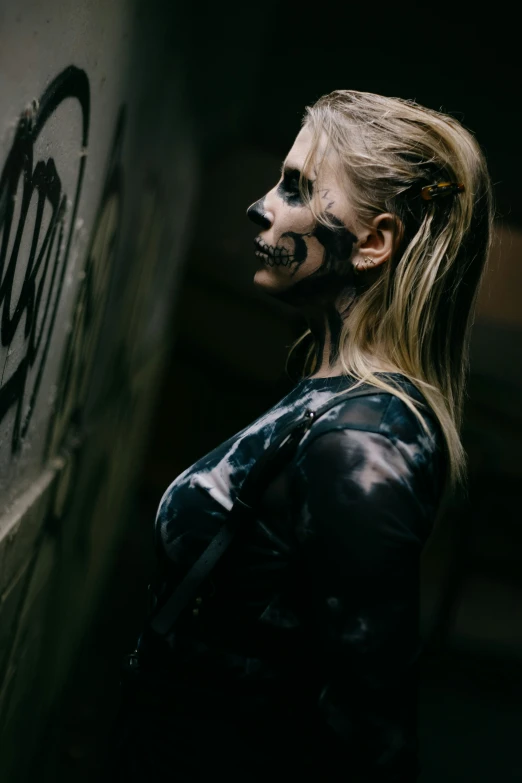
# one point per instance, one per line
(441, 189)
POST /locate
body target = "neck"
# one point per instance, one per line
(325, 323)
(325, 326)
(317, 297)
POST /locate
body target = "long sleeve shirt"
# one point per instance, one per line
(312, 616)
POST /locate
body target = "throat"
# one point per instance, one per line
(326, 329)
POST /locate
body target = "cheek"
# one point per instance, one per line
(314, 257)
(297, 219)
(338, 244)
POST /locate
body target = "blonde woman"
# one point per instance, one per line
(298, 659)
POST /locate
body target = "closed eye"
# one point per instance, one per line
(290, 183)
(291, 180)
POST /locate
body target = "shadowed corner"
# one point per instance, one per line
(138, 345)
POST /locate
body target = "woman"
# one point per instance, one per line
(300, 661)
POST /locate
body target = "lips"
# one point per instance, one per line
(262, 248)
(273, 255)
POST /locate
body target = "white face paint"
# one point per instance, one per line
(292, 246)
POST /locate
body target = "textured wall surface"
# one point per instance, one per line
(97, 173)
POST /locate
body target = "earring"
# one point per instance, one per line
(364, 264)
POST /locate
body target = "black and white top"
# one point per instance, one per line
(317, 602)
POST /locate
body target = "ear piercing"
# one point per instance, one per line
(364, 264)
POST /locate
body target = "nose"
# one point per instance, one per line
(258, 215)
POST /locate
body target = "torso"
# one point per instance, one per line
(354, 505)
(196, 503)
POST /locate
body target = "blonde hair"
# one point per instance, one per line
(417, 316)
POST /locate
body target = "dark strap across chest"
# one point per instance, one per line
(259, 477)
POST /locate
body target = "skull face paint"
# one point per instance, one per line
(292, 245)
(305, 263)
(288, 189)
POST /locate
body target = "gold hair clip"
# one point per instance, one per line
(441, 189)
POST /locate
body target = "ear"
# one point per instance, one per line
(377, 244)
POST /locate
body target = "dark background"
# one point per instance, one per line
(249, 71)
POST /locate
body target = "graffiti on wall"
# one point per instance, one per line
(95, 325)
(43, 271)
(65, 431)
(90, 305)
(28, 306)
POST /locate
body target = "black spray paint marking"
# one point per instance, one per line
(34, 311)
(89, 310)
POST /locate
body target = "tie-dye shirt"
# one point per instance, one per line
(317, 600)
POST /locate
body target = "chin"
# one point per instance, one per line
(267, 279)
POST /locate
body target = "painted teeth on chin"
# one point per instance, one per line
(275, 256)
(285, 261)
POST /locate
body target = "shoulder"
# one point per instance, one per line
(379, 439)
(383, 413)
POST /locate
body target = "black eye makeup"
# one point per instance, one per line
(288, 189)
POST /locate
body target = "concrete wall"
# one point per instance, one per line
(97, 173)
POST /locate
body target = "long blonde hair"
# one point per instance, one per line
(417, 316)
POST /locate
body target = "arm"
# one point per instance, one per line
(362, 523)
